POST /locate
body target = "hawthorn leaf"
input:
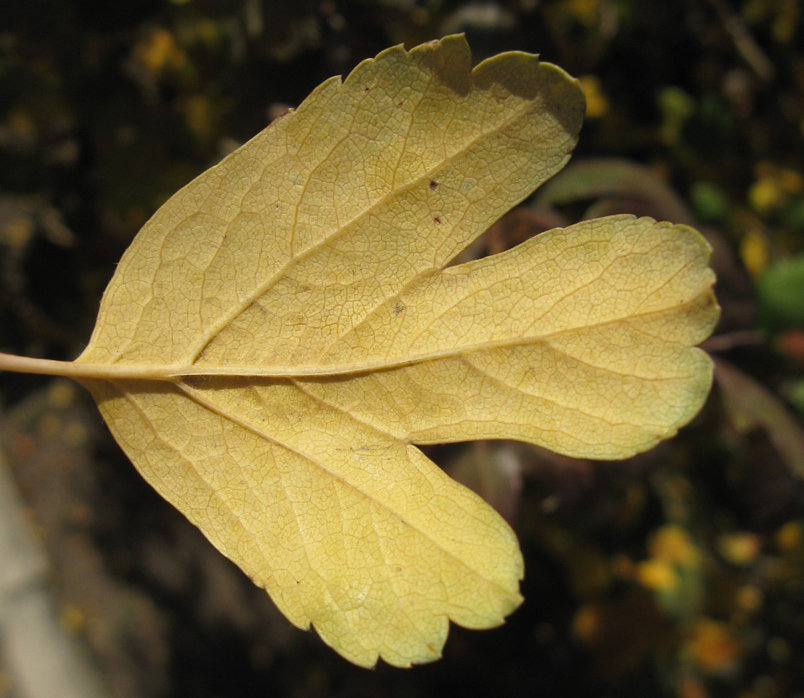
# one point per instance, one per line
(286, 330)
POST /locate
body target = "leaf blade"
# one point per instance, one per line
(295, 333)
(603, 375)
(460, 546)
(526, 137)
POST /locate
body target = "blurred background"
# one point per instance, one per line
(676, 573)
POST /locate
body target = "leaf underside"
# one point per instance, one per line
(296, 332)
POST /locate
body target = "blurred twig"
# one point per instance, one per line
(43, 660)
(732, 340)
(750, 51)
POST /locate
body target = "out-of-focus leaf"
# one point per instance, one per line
(519, 225)
(797, 396)
(790, 344)
(615, 178)
(781, 293)
(752, 406)
(676, 107)
(710, 201)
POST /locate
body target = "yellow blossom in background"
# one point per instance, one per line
(739, 548)
(586, 12)
(73, 619)
(790, 537)
(766, 196)
(159, 52)
(714, 647)
(597, 105)
(20, 123)
(201, 117)
(673, 544)
(791, 181)
(754, 252)
(773, 188)
(673, 572)
(658, 575)
(749, 598)
(16, 233)
(586, 624)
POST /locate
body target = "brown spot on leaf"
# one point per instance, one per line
(433, 185)
(437, 220)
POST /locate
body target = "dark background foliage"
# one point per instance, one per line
(676, 573)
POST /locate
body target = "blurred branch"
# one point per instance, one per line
(750, 51)
(732, 340)
(750, 406)
(43, 660)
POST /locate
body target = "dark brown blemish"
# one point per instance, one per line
(398, 308)
(399, 106)
(433, 185)
(437, 220)
(366, 90)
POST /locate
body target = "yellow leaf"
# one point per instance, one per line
(285, 331)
